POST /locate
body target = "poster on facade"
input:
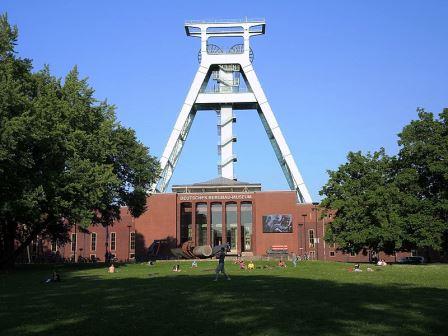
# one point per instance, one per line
(277, 223)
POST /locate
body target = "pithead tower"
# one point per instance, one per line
(226, 81)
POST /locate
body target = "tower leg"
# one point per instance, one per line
(179, 133)
(276, 138)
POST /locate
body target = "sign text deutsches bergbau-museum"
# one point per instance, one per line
(215, 197)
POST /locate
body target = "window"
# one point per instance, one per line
(246, 227)
(93, 257)
(352, 254)
(331, 253)
(93, 241)
(201, 223)
(312, 255)
(231, 225)
(73, 242)
(131, 255)
(216, 221)
(185, 223)
(113, 241)
(54, 246)
(132, 243)
(311, 236)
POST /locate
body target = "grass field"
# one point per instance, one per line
(316, 298)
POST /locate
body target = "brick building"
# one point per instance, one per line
(221, 211)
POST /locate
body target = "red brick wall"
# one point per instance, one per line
(158, 222)
(84, 247)
(275, 202)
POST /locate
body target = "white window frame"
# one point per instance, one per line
(132, 233)
(313, 243)
(74, 242)
(113, 234)
(93, 234)
(334, 254)
(54, 246)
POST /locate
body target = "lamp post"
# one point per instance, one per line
(315, 209)
(106, 255)
(304, 230)
(84, 243)
(129, 241)
(75, 245)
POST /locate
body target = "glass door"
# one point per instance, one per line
(232, 226)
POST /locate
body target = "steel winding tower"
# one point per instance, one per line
(217, 86)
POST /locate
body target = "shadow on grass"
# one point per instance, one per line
(185, 304)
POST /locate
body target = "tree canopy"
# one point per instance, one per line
(393, 203)
(64, 158)
(366, 199)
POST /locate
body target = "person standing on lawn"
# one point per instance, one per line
(221, 255)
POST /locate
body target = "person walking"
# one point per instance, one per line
(221, 255)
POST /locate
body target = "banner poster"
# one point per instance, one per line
(277, 223)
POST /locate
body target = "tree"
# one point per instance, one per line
(366, 199)
(422, 176)
(394, 203)
(64, 159)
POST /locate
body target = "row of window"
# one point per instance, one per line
(92, 256)
(93, 242)
(220, 213)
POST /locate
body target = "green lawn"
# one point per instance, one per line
(315, 298)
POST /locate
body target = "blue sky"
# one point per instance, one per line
(340, 75)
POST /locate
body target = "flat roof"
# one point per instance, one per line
(218, 182)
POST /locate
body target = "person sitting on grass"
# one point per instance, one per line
(176, 268)
(55, 277)
(111, 268)
(251, 265)
(242, 264)
(281, 263)
(237, 260)
(382, 262)
(357, 268)
(194, 264)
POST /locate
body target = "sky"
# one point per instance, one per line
(340, 75)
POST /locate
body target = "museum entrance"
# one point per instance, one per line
(217, 223)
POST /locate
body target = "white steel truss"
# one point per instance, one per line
(225, 68)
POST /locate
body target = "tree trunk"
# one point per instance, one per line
(10, 254)
(7, 260)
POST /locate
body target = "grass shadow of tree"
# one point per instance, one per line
(248, 305)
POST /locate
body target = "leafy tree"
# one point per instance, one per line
(422, 177)
(394, 203)
(64, 159)
(366, 199)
